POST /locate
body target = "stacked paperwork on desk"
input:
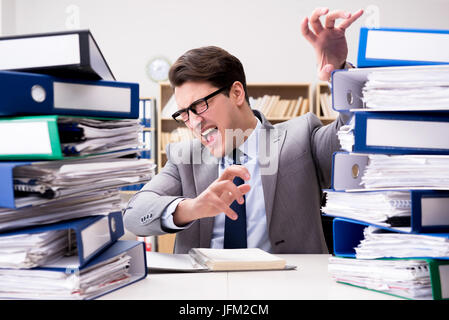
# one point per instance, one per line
(32, 250)
(84, 284)
(379, 243)
(97, 202)
(85, 136)
(406, 278)
(406, 171)
(40, 181)
(424, 88)
(387, 208)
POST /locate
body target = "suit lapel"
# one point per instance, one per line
(205, 173)
(271, 140)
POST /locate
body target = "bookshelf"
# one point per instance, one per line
(323, 103)
(284, 91)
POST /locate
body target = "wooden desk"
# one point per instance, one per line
(310, 281)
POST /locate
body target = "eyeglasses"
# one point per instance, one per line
(197, 107)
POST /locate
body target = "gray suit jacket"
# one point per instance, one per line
(302, 159)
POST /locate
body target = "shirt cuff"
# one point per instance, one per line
(167, 216)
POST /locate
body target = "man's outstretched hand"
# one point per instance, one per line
(329, 41)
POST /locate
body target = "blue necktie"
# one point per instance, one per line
(235, 230)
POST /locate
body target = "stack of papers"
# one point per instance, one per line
(46, 284)
(97, 202)
(85, 136)
(388, 208)
(379, 243)
(408, 89)
(41, 181)
(32, 250)
(405, 278)
(406, 171)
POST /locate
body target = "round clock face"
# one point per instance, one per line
(158, 69)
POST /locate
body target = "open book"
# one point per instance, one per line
(204, 260)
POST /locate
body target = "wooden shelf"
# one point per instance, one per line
(323, 88)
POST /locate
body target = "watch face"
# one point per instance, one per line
(158, 69)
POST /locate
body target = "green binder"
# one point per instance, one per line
(41, 138)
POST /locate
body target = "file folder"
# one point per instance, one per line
(401, 133)
(347, 86)
(70, 54)
(347, 170)
(429, 210)
(99, 276)
(27, 94)
(88, 235)
(80, 176)
(348, 233)
(401, 46)
(43, 138)
(363, 172)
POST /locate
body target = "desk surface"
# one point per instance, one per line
(310, 281)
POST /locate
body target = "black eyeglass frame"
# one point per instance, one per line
(196, 102)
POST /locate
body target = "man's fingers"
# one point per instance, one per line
(334, 15)
(221, 206)
(306, 32)
(315, 19)
(228, 191)
(347, 22)
(234, 171)
(244, 188)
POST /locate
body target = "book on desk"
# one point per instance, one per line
(211, 260)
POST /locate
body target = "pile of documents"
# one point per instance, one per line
(68, 147)
(389, 208)
(405, 278)
(406, 171)
(407, 89)
(381, 243)
(389, 198)
(84, 136)
(48, 284)
(37, 182)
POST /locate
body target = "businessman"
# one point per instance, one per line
(243, 182)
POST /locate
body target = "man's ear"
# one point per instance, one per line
(237, 93)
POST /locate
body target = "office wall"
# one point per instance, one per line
(264, 34)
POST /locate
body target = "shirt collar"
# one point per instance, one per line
(248, 149)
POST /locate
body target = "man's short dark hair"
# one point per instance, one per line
(208, 64)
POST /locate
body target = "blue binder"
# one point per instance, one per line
(348, 233)
(429, 210)
(28, 93)
(92, 235)
(382, 47)
(401, 133)
(8, 198)
(347, 170)
(347, 86)
(137, 270)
